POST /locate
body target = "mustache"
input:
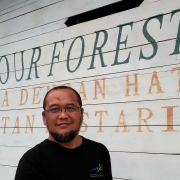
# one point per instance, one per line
(65, 120)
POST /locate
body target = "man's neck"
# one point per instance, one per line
(76, 142)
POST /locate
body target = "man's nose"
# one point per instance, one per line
(63, 113)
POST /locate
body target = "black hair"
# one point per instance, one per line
(62, 87)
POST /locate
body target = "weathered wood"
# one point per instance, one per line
(139, 13)
(147, 2)
(132, 107)
(163, 58)
(31, 33)
(139, 85)
(45, 15)
(8, 172)
(120, 126)
(130, 166)
(8, 4)
(144, 166)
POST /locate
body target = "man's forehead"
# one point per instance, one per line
(61, 93)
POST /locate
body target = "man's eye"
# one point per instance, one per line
(54, 110)
(70, 108)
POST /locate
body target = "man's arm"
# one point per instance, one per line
(29, 170)
(109, 171)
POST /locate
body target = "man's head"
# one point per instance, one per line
(59, 88)
(63, 113)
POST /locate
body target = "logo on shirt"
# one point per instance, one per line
(96, 172)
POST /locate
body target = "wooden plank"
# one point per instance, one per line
(44, 29)
(163, 58)
(8, 4)
(135, 33)
(81, 30)
(144, 166)
(41, 17)
(7, 172)
(17, 140)
(130, 165)
(139, 122)
(135, 126)
(32, 5)
(147, 2)
(4, 14)
(139, 85)
(7, 152)
(135, 38)
(22, 8)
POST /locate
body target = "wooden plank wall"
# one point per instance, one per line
(131, 104)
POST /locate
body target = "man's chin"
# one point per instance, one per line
(64, 137)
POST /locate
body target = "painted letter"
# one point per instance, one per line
(135, 84)
(170, 127)
(178, 69)
(81, 56)
(149, 38)
(99, 48)
(156, 83)
(100, 120)
(123, 123)
(34, 63)
(22, 62)
(7, 66)
(22, 97)
(53, 56)
(36, 95)
(16, 126)
(48, 87)
(5, 120)
(140, 119)
(84, 123)
(30, 125)
(82, 91)
(67, 84)
(119, 42)
(102, 91)
(5, 99)
(176, 49)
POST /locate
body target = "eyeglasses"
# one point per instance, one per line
(69, 109)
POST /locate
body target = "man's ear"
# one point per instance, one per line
(44, 119)
(82, 110)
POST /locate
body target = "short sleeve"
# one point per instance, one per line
(109, 171)
(29, 168)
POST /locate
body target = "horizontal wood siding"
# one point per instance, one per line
(131, 104)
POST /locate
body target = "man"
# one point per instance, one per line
(65, 155)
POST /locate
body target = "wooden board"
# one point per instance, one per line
(130, 106)
(38, 13)
(164, 33)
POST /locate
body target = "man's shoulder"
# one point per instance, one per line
(94, 144)
(33, 152)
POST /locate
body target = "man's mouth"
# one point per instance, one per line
(63, 124)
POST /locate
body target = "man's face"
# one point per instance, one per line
(62, 124)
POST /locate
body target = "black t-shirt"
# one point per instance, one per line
(51, 161)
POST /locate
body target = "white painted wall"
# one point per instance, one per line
(147, 2)
(133, 107)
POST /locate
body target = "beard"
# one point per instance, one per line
(65, 137)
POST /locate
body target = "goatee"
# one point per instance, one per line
(66, 137)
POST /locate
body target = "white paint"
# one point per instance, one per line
(142, 155)
(8, 4)
(139, 13)
(147, 2)
(46, 15)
